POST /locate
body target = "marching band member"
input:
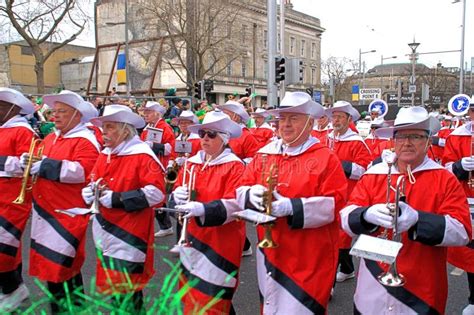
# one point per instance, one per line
(16, 135)
(57, 240)
(186, 119)
(354, 154)
(123, 228)
(216, 240)
(439, 140)
(311, 189)
(373, 141)
(164, 148)
(458, 158)
(321, 129)
(246, 145)
(263, 132)
(430, 219)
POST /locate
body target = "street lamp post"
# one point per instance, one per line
(127, 69)
(414, 45)
(360, 65)
(463, 32)
(381, 71)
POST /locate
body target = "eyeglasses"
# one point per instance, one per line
(210, 133)
(413, 138)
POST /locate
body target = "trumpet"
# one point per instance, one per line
(271, 180)
(470, 180)
(36, 144)
(97, 190)
(391, 278)
(183, 240)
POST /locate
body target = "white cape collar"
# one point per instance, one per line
(225, 157)
(17, 121)
(79, 131)
(278, 147)
(382, 168)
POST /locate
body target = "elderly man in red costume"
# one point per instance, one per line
(16, 135)
(433, 215)
(58, 240)
(297, 276)
(355, 156)
(458, 158)
(132, 182)
(210, 178)
(263, 132)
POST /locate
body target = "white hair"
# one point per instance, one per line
(225, 137)
(132, 132)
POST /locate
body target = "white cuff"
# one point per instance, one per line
(454, 233)
(357, 171)
(153, 195)
(71, 172)
(12, 165)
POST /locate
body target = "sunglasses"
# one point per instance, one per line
(210, 133)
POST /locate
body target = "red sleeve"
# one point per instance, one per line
(451, 153)
(233, 180)
(86, 154)
(362, 155)
(23, 141)
(251, 146)
(152, 174)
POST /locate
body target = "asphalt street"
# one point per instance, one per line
(246, 300)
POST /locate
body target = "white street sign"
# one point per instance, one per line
(412, 88)
(370, 94)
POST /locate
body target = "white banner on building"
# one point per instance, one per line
(370, 94)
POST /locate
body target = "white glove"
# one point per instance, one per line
(379, 214)
(407, 218)
(388, 156)
(170, 164)
(106, 198)
(181, 195)
(193, 209)
(256, 196)
(88, 194)
(281, 207)
(468, 163)
(35, 167)
(180, 160)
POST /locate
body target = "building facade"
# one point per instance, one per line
(17, 66)
(247, 50)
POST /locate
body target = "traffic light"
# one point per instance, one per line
(198, 90)
(279, 69)
(208, 85)
(248, 91)
(310, 91)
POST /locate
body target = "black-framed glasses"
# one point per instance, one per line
(412, 137)
(210, 133)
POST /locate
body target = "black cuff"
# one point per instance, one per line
(296, 221)
(377, 161)
(429, 229)
(248, 204)
(215, 214)
(50, 169)
(3, 160)
(459, 172)
(435, 140)
(130, 201)
(358, 224)
(347, 166)
(158, 148)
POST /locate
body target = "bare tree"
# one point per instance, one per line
(200, 35)
(46, 26)
(336, 70)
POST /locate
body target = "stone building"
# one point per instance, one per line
(150, 71)
(17, 65)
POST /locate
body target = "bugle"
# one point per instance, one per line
(36, 145)
(271, 181)
(391, 278)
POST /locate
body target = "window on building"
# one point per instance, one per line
(229, 69)
(26, 50)
(244, 33)
(244, 67)
(265, 35)
(313, 76)
(303, 48)
(265, 70)
(303, 75)
(313, 50)
(292, 45)
(279, 43)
